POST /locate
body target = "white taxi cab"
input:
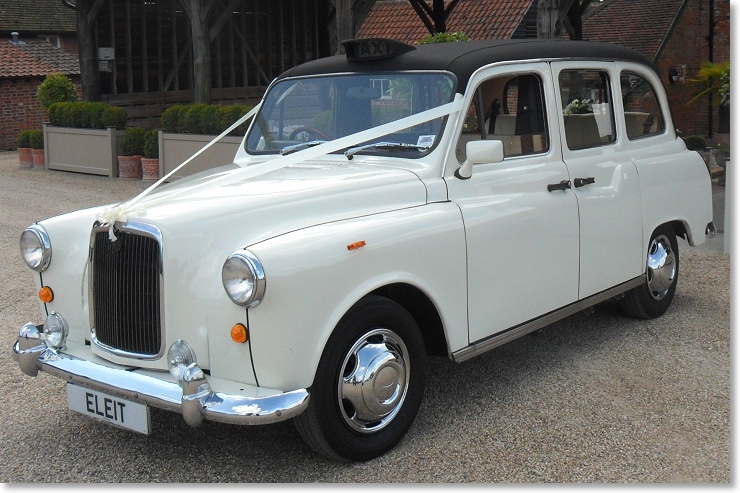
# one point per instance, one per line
(386, 205)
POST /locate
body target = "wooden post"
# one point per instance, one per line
(550, 15)
(198, 10)
(89, 74)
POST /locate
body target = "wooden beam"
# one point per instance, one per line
(94, 11)
(251, 54)
(223, 18)
(420, 7)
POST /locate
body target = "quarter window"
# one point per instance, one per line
(510, 109)
(642, 115)
(587, 110)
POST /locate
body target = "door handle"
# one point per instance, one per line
(580, 182)
(563, 185)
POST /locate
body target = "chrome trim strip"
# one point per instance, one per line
(143, 230)
(509, 335)
(199, 400)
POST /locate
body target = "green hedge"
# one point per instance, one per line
(695, 143)
(84, 114)
(209, 119)
(56, 88)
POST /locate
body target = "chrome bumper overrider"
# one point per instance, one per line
(195, 399)
(711, 230)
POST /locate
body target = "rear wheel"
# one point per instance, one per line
(654, 297)
(369, 383)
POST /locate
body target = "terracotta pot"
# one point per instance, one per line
(149, 168)
(25, 157)
(129, 167)
(38, 158)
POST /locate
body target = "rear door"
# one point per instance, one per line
(602, 173)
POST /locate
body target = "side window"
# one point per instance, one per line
(510, 109)
(642, 115)
(588, 114)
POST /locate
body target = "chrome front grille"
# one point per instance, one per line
(125, 285)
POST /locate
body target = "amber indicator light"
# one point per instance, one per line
(356, 245)
(239, 333)
(46, 294)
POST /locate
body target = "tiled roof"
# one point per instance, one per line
(36, 16)
(478, 19)
(642, 26)
(35, 57)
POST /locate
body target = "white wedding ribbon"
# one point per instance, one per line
(120, 212)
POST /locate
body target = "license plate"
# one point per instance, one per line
(113, 410)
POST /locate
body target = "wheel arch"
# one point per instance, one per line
(424, 312)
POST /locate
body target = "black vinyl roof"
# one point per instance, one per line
(465, 57)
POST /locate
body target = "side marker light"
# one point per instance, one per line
(356, 245)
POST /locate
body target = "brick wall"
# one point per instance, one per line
(19, 109)
(687, 48)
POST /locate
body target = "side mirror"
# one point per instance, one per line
(480, 152)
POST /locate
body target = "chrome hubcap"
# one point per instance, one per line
(661, 267)
(374, 381)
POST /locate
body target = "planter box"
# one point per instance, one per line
(82, 150)
(174, 149)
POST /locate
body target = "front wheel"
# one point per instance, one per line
(654, 297)
(369, 383)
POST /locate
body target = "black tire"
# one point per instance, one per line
(653, 298)
(358, 421)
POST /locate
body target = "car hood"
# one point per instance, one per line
(230, 201)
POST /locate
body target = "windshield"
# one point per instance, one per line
(299, 113)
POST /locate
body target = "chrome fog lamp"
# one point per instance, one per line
(179, 357)
(243, 278)
(56, 331)
(36, 248)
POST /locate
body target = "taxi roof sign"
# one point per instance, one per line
(367, 49)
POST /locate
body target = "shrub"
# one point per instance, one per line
(230, 114)
(132, 142)
(79, 114)
(114, 116)
(54, 89)
(24, 139)
(204, 118)
(151, 144)
(695, 143)
(36, 139)
(444, 38)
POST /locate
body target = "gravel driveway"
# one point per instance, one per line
(597, 397)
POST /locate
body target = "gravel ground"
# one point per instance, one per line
(597, 397)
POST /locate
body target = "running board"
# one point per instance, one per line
(509, 335)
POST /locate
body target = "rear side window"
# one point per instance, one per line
(642, 113)
(588, 113)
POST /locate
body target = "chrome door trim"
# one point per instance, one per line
(509, 335)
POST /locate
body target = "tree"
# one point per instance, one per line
(555, 15)
(713, 78)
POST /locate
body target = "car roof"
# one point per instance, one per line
(465, 57)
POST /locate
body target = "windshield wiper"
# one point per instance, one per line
(299, 147)
(384, 146)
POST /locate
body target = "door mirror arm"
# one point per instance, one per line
(480, 152)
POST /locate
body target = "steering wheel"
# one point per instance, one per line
(310, 131)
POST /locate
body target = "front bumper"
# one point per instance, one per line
(195, 400)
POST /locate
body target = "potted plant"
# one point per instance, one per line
(23, 142)
(150, 158)
(132, 147)
(36, 139)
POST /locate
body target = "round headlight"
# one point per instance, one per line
(36, 248)
(179, 357)
(55, 331)
(243, 278)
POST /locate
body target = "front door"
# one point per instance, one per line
(522, 233)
